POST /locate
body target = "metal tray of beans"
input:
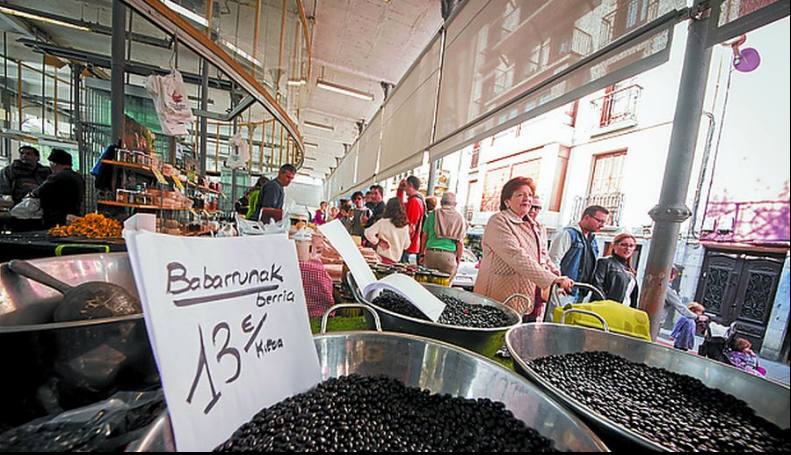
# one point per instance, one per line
(439, 367)
(633, 394)
(49, 366)
(483, 340)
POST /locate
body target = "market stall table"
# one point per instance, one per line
(39, 244)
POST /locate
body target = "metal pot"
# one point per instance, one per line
(53, 366)
(433, 365)
(483, 341)
(532, 341)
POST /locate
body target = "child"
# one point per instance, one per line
(684, 331)
(743, 357)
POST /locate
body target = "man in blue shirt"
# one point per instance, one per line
(574, 247)
(273, 195)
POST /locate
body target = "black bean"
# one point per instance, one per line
(456, 312)
(381, 414)
(674, 410)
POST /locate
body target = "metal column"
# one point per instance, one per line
(671, 210)
(204, 105)
(76, 117)
(117, 69)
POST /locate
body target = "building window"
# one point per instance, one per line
(496, 178)
(605, 187)
(607, 173)
(476, 154)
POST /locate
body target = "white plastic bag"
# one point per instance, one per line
(170, 99)
(240, 152)
(27, 209)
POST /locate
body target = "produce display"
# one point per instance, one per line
(674, 410)
(456, 312)
(381, 414)
(92, 226)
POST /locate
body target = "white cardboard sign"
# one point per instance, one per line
(229, 326)
(407, 287)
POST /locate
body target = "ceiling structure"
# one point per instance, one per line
(356, 44)
(359, 44)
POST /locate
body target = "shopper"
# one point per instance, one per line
(431, 204)
(614, 274)
(743, 357)
(23, 175)
(443, 240)
(376, 205)
(543, 244)
(61, 194)
(252, 198)
(345, 214)
(415, 214)
(683, 334)
(390, 235)
(512, 262)
(273, 195)
(334, 213)
(574, 248)
(321, 214)
(359, 213)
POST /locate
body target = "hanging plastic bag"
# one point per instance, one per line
(240, 152)
(27, 209)
(170, 99)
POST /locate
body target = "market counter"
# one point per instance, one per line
(39, 244)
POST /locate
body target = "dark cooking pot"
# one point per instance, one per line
(50, 366)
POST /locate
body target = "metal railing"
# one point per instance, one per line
(579, 43)
(618, 106)
(611, 201)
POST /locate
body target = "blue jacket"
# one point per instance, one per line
(579, 264)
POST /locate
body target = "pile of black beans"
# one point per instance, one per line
(381, 414)
(674, 410)
(456, 312)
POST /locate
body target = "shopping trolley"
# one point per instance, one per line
(608, 315)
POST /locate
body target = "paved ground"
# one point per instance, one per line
(778, 371)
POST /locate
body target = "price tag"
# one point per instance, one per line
(229, 326)
(158, 174)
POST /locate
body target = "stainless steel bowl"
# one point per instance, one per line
(483, 341)
(51, 366)
(433, 365)
(769, 399)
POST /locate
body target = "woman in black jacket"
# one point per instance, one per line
(614, 274)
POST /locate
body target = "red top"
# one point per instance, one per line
(318, 287)
(415, 209)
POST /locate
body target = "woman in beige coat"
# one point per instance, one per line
(512, 261)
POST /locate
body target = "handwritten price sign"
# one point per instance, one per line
(229, 326)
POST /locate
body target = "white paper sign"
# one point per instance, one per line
(407, 287)
(340, 239)
(229, 326)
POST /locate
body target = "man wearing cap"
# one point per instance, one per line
(23, 175)
(61, 194)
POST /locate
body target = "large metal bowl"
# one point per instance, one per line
(52, 366)
(483, 341)
(433, 365)
(528, 342)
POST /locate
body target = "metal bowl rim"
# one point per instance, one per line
(493, 303)
(548, 399)
(582, 408)
(68, 324)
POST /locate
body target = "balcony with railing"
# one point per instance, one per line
(618, 107)
(613, 202)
